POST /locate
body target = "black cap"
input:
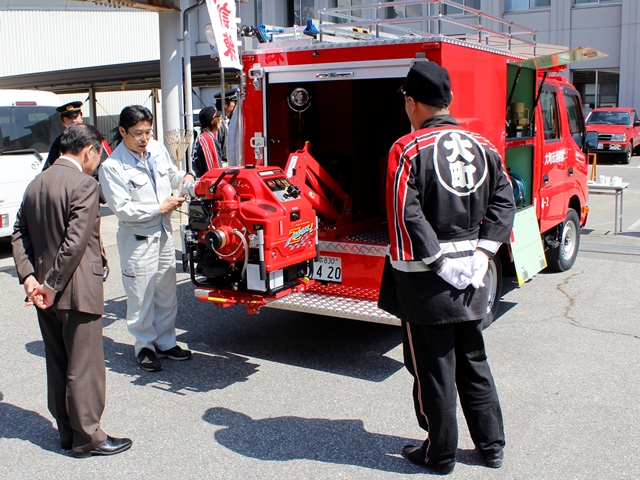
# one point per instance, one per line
(206, 115)
(70, 109)
(428, 83)
(229, 95)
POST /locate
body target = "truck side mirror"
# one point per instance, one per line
(591, 140)
(636, 123)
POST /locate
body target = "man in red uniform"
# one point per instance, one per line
(449, 207)
(207, 152)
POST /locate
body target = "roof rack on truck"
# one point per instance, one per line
(437, 17)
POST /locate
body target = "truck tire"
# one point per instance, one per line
(626, 157)
(562, 258)
(494, 284)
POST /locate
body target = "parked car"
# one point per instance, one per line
(618, 132)
(28, 125)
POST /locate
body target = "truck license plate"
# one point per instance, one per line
(328, 269)
(600, 146)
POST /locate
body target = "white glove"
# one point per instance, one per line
(479, 266)
(456, 273)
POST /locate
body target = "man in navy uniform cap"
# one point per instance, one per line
(230, 102)
(70, 114)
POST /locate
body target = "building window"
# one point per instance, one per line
(596, 2)
(598, 88)
(346, 4)
(304, 9)
(520, 5)
(449, 10)
(408, 11)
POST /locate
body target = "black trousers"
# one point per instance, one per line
(76, 378)
(444, 359)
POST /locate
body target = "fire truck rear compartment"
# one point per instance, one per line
(350, 126)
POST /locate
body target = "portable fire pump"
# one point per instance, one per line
(251, 233)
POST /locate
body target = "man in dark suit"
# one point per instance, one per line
(56, 248)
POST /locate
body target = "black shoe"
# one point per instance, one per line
(148, 360)
(418, 456)
(66, 445)
(494, 459)
(174, 353)
(110, 447)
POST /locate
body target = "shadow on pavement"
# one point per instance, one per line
(344, 442)
(291, 438)
(16, 422)
(194, 375)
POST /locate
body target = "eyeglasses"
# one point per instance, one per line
(141, 135)
(402, 90)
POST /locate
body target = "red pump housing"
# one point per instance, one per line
(251, 230)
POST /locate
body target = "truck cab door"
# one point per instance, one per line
(572, 118)
(635, 126)
(554, 169)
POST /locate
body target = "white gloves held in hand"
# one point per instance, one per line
(479, 266)
(460, 274)
(456, 273)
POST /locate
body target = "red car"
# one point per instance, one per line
(618, 131)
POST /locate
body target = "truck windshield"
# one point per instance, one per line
(609, 117)
(28, 127)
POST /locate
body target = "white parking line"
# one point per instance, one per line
(635, 224)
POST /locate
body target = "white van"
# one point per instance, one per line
(29, 124)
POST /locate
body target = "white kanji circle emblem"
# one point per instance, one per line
(459, 168)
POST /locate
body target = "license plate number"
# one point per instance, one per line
(600, 146)
(328, 269)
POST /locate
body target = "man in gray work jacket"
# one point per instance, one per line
(137, 181)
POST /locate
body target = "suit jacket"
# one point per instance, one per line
(57, 237)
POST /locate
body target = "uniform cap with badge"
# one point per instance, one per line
(230, 95)
(70, 110)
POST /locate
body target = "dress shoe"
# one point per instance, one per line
(110, 447)
(174, 353)
(418, 456)
(66, 445)
(148, 360)
(494, 459)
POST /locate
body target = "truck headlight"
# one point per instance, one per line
(618, 137)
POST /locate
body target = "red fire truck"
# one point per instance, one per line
(301, 224)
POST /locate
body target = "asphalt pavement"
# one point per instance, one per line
(284, 395)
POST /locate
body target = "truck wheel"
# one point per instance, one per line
(626, 157)
(564, 256)
(494, 284)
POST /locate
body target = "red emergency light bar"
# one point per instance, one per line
(26, 104)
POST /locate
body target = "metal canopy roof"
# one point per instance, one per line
(109, 78)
